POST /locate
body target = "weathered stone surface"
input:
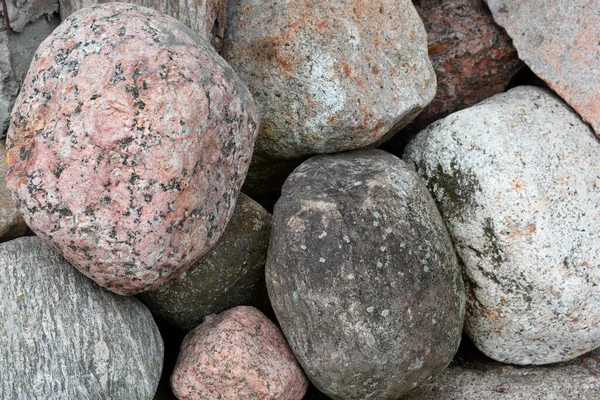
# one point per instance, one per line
(483, 378)
(12, 224)
(229, 275)
(238, 354)
(329, 76)
(64, 337)
(558, 40)
(516, 179)
(205, 17)
(22, 12)
(473, 57)
(128, 145)
(363, 277)
(10, 87)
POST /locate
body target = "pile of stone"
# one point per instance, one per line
(136, 127)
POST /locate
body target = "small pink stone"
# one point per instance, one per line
(238, 354)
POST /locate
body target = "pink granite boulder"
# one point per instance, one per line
(128, 145)
(238, 354)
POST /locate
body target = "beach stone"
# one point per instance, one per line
(205, 17)
(329, 76)
(128, 145)
(12, 224)
(472, 56)
(238, 354)
(232, 273)
(362, 276)
(65, 337)
(22, 12)
(516, 178)
(476, 378)
(558, 40)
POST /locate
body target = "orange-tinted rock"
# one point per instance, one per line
(473, 58)
(560, 41)
(128, 145)
(238, 354)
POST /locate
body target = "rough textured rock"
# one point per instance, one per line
(482, 378)
(363, 277)
(128, 145)
(229, 275)
(10, 87)
(205, 17)
(12, 224)
(558, 40)
(329, 76)
(472, 56)
(238, 354)
(516, 179)
(65, 337)
(22, 12)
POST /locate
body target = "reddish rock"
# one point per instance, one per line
(238, 354)
(12, 224)
(329, 76)
(559, 41)
(128, 145)
(205, 17)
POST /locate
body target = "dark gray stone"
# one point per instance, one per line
(64, 337)
(363, 277)
(516, 178)
(229, 275)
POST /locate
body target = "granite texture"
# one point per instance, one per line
(12, 224)
(517, 180)
(558, 40)
(205, 17)
(238, 354)
(362, 276)
(128, 145)
(232, 273)
(64, 337)
(329, 76)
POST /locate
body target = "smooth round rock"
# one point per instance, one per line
(64, 337)
(329, 76)
(128, 145)
(230, 274)
(517, 180)
(362, 276)
(238, 354)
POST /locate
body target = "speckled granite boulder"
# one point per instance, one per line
(12, 224)
(128, 145)
(329, 76)
(516, 179)
(238, 354)
(230, 274)
(363, 277)
(64, 337)
(205, 17)
(558, 40)
(472, 56)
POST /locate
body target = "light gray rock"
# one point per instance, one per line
(362, 276)
(229, 275)
(64, 337)
(205, 17)
(22, 12)
(490, 380)
(517, 180)
(12, 224)
(329, 76)
(9, 89)
(558, 40)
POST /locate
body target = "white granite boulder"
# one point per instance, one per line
(517, 180)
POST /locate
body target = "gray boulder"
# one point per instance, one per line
(330, 76)
(362, 276)
(516, 178)
(229, 275)
(64, 337)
